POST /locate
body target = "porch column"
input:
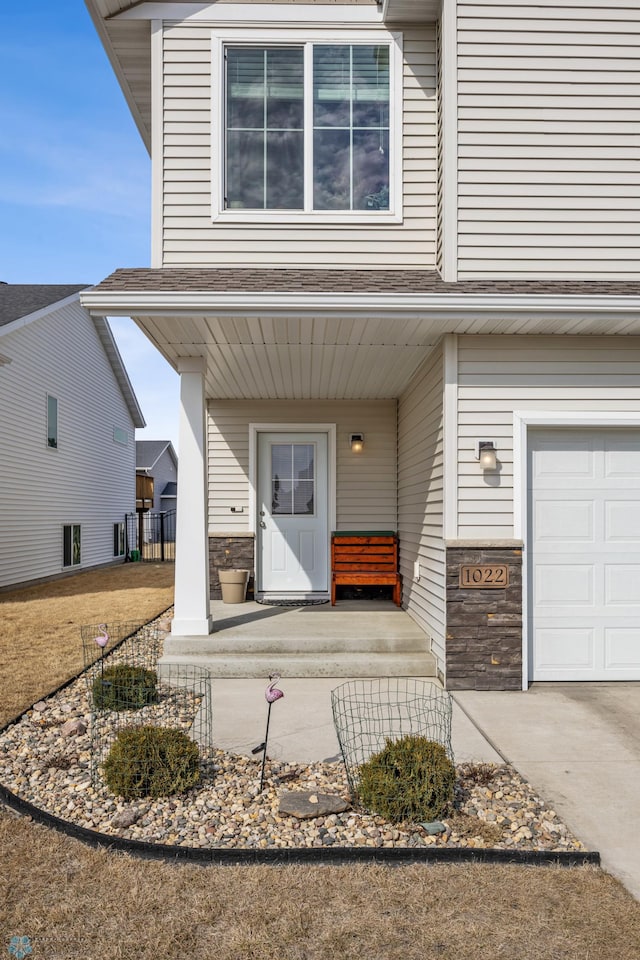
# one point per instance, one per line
(192, 605)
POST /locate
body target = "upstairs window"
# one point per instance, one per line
(52, 421)
(308, 129)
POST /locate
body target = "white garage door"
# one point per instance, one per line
(584, 554)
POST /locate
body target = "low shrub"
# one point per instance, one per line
(410, 779)
(125, 687)
(149, 761)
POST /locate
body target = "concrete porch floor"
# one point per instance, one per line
(354, 638)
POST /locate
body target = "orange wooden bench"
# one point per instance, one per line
(365, 558)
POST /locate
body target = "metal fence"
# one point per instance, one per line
(151, 536)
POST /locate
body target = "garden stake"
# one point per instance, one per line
(272, 693)
(102, 642)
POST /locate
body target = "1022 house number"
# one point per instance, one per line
(484, 577)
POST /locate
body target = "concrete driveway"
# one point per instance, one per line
(579, 745)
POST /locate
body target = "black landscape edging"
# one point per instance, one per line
(317, 856)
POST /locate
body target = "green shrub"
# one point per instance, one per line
(124, 687)
(410, 779)
(151, 761)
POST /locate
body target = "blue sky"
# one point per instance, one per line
(75, 177)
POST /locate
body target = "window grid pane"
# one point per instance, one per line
(351, 127)
(293, 479)
(265, 128)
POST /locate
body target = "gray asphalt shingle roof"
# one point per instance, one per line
(22, 299)
(148, 451)
(280, 280)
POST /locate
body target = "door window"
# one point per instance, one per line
(293, 479)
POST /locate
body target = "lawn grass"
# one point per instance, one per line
(40, 643)
(73, 901)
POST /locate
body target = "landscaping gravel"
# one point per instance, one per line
(46, 760)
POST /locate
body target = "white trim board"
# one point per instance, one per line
(522, 420)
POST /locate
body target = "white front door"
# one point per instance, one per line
(584, 554)
(292, 504)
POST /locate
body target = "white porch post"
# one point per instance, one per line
(192, 604)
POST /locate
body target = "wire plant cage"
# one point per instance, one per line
(367, 713)
(126, 687)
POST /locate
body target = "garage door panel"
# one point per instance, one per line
(584, 554)
(565, 649)
(560, 584)
(622, 585)
(622, 520)
(621, 460)
(622, 648)
(564, 460)
(558, 521)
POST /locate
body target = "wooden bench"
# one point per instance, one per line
(359, 558)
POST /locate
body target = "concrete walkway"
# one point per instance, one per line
(301, 729)
(578, 744)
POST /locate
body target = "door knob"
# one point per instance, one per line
(263, 524)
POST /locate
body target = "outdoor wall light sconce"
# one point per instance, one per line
(357, 442)
(486, 454)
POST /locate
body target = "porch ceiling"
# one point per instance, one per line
(342, 334)
(297, 358)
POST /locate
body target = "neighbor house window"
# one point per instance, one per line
(71, 545)
(118, 539)
(307, 128)
(120, 436)
(52, 421)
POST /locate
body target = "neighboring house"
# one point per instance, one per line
(68, 414)
(418, 221)
(157, 460)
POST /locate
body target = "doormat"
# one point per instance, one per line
(293, 603)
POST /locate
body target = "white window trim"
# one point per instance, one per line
(222, 38)
(522, 420)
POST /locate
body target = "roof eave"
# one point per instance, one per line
(257, 303)
(113, 354)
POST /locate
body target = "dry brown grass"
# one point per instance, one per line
(73, 901)
(40, 640)
(104, 906)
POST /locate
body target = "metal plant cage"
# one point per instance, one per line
(127, 687)
(367, 713)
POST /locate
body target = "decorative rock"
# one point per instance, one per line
(304, 804)
(433, 828)
(73, 728)
(126, 818)
(40, 706)
(66, 708)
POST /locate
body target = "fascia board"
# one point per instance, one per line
(105, 39)
(372, 304)
(120, 371)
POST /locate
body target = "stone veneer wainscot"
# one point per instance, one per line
(484, 626)
(234, 550)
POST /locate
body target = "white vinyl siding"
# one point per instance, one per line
(549, 121)
(366, 482)
(88, 480)
(191, 238)
(420, 500)
(497, 375)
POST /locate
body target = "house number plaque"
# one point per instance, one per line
(484, 576)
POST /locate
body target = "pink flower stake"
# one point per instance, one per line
(102, 640)
(272, 693)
